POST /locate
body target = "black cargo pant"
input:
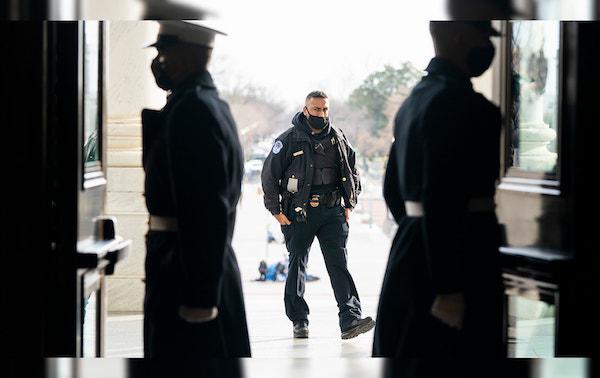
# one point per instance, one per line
(166, 334)
(329, 225)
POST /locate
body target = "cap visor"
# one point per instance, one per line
(164, 41)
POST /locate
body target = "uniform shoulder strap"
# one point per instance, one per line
(341, 135)
(340, 132)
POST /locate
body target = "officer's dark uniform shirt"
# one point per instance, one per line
(294, 157)
(446, 151)
(194, 166)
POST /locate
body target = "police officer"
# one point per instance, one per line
(442, 291)
(310, 185)
(192, 157)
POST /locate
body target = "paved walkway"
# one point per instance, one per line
(270, 330)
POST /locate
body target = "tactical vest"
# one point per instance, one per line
(326, 173)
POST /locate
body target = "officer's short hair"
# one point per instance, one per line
(316, 94)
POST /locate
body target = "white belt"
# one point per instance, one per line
(475, 205)
(414, 209)
(158, 223)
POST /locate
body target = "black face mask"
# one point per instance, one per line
(479, 59)
(317, 123)
(161, 77)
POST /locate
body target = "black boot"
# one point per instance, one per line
(301, 329)
(359, 326)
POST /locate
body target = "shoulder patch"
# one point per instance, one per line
(277, 147)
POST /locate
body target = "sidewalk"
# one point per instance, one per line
(270, 330)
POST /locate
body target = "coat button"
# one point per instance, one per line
(343, 179)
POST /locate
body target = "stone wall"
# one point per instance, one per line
(130, 88)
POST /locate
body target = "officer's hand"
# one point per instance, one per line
(197, 314)
(282, 219)
(347, 212)
(450, 309)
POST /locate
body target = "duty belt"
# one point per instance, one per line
(158, 223)
(475, 205)
(330, 199)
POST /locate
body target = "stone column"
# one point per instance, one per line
(534, 134)
(130, 88)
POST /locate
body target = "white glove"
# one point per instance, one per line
(197, 314)
(450, 309)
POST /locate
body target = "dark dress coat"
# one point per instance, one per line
(193, 162)
(446, 151)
